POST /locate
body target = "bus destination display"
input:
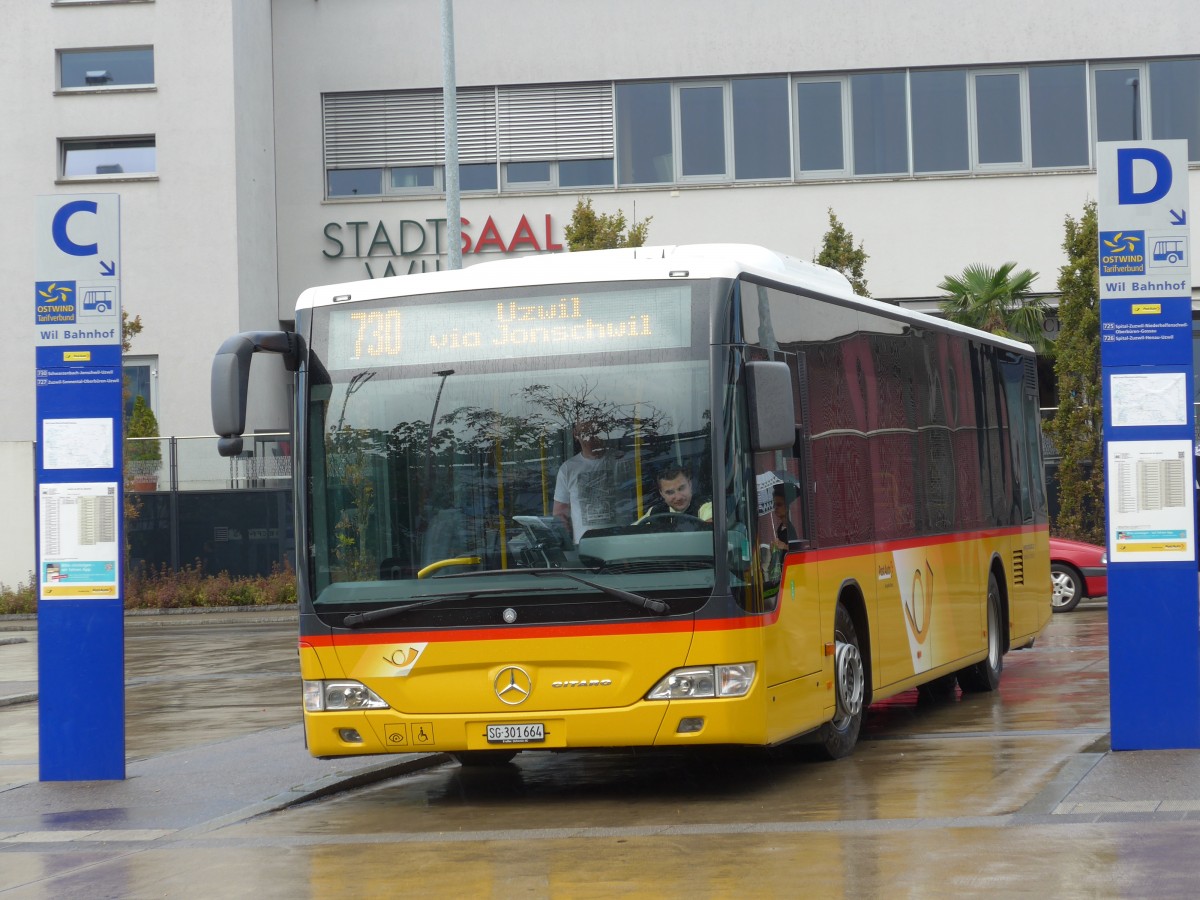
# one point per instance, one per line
(557, 325)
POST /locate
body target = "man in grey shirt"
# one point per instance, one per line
(584, 492)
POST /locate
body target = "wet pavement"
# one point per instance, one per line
(1011, 794)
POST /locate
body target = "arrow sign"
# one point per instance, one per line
(108, 268)
(1179, 218)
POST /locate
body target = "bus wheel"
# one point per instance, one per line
(837, 737)
(476, 758)
(985, 674)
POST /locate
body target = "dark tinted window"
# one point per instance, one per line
(939, 121)
(760, 123)
(351, 182)
(644, 133)
(1058, 128)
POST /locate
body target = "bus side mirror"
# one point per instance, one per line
(231, 379)
(769, 398)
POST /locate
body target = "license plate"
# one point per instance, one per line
(528, 733)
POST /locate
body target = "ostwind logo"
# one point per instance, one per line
(1122, 243)
(55, 293)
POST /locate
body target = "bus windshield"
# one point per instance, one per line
(453, 438)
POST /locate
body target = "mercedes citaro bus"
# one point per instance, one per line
(473, 579)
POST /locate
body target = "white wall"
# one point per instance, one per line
(381, 44)
(18, 550)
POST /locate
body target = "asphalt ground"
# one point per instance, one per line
(188, 767)
(196, 776)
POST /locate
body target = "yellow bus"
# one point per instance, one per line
(650, 497)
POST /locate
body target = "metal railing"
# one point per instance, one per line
(191, 463)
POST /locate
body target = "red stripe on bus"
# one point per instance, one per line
(909, 543)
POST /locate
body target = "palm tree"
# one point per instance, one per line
(998, 301)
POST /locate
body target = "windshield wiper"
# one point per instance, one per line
(654, 606)
(357, 620)
(647, 603)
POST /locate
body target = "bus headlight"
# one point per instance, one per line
(320, 696)
(697, 682)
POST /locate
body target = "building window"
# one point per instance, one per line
(939, 121)
(761, 149)
(1119, 103)
(112, 158)
(644, 152)
(355, 182)
(477, 177)
(585, 173)
(414, 179)
(108, 68)
(879, 113)
(999, 119)
(1058, 128)
(702, 131)
(1175, 102)
(527, 174)
(820, 118)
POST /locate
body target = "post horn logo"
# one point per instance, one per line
(920, 613)
(405, 657)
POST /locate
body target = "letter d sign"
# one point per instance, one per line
(1126, 157)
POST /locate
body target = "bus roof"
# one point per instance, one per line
(630, 264)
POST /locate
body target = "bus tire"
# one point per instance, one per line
(479, 758)
(984, 676)
(837, 737)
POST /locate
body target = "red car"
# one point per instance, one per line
(1077, 570)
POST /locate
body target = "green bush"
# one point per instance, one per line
(19, 600)
(142, 424)
(189, 587)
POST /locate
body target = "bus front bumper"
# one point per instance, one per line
(737, 720)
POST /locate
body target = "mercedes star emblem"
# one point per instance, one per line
(513, 685)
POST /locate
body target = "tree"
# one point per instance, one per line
(998, 301)
(142, 424)
(838, 252)
(589, 230)
(1076, 429)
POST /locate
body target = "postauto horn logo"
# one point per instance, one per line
(55, 302)
(1122, 253)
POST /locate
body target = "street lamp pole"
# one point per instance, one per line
(443, 374)
(450, 115)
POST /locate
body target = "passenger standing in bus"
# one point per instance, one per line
(771, 555)
(784, 532)
(584, 491)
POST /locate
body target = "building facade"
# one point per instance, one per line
(261, 146)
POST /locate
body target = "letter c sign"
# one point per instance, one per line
(59, 228)
(1126, 157)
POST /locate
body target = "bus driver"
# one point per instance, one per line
(675, 488)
